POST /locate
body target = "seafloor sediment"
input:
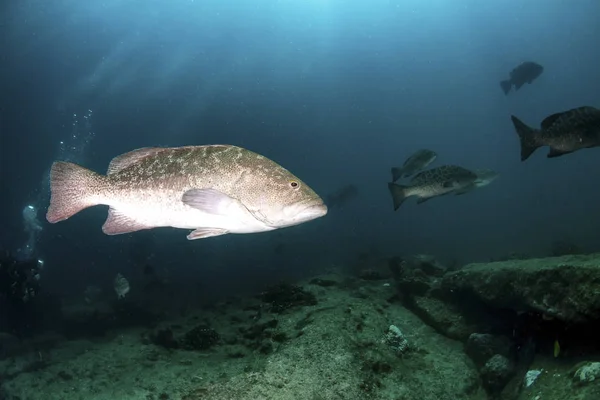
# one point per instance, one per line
(398, 330)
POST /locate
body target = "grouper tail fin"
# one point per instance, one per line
(72, 189)
(527, 137)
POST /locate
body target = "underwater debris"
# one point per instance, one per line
(285, 296)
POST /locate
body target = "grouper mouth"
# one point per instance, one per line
(314, 211)
(297, 214)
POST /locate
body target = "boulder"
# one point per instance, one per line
(496, 373)
(482, 346)
(442, 316)
(566, 288)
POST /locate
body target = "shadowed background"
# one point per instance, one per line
(336, 91)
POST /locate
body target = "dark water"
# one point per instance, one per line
(336, 91)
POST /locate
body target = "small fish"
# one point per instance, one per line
(484, 178)
(432, 183)
(526, 72)
(121, 286)
(556, 348)
(417, 162)
(564, 132)
(214, 190)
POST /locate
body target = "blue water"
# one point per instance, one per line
(336, 91)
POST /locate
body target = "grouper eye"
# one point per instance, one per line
(294, 184)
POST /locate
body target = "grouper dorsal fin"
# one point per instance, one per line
(550, 120)
(123, 161)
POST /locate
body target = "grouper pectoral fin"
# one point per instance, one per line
(118, 223)
(210, 201)
(203, 233)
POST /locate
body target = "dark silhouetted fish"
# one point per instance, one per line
(527, 72)
(417, 162)
(215, 190)
(563, 132)
(432, 183)
(341, 196)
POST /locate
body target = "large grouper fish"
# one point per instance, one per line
(212, 189)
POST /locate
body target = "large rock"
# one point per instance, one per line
(442, 316)
(416, 275)
(567, 288)
(496, 373)
(482, 346)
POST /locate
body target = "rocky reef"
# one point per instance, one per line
(566, 288)
(510, 313)
(394, 328)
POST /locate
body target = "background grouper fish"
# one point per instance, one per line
(214, 190)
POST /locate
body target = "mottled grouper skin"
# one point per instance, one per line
(160, 180)
(564, 132)
(573, 130)
(145, 188)
(431, 182)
